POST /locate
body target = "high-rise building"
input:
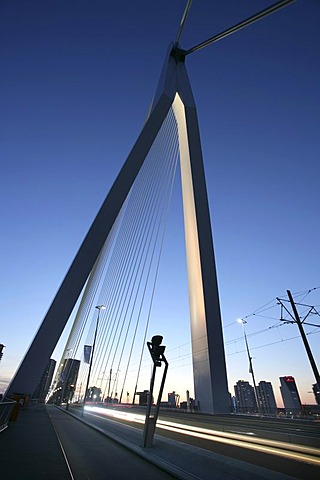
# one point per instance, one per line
(266, 397)
(245, 397)
(64, 389)
(290, 395)
(44, 384)
(173, 399)
(316, 391)
(1, 350)
(94, 394)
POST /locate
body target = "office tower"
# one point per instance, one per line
(94, 394)
(173, 399)
(44, 384)
(290, 395)
(64, 390)
(245, 397)
(266, 397)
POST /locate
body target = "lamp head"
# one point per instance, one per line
(156, 349)
(101, 307)
(156, 340)
(241, 320)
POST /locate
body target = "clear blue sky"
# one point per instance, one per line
(77, 79)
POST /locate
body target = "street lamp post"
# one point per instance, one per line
(99, 307)
(157, 354)
(243, 322)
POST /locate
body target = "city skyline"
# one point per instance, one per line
(72, 116)
(265, 393)
(248, 401)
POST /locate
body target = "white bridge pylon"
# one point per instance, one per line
(210, 378)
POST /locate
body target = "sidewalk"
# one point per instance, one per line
(29, 448)
(47, 444)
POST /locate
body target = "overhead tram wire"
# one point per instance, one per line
(255, 313)
(315, 331)
(304, 294)
(183, 357)
(176, 359)
(239, 26)
(276, 342)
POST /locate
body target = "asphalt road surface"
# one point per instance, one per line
(285, 446)
(302, 432)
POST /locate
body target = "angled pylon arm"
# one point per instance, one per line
(55, 320)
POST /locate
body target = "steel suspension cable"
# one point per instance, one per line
(174, 137)
(143, 267)
(140, 260)
(176, 146)
(82, 313)
(239, 26)
(149, 211)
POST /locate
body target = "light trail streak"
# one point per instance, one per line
(273, 450)
(283, 449)
(130, 417)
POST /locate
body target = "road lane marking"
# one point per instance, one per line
(63, 451)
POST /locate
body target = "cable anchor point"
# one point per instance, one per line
(178, 54)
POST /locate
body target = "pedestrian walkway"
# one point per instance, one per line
(47, 444)
(29, 448)
(52, 443)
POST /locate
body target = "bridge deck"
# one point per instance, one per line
(47, 443)
(30, 449)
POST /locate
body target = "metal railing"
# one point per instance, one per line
(5, 413)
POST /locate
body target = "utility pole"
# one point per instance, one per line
(296, 319)
(108, 396)
(99, 307)
(304, 339)
(243, 322)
